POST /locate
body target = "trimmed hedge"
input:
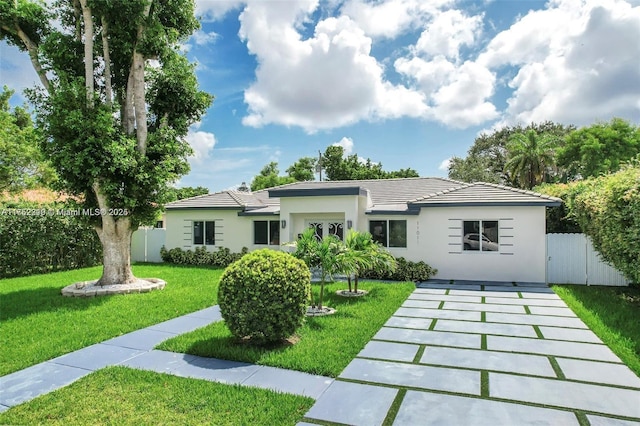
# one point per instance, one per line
(38, 244)
(201, 256)
(264, 296)
(405, 271)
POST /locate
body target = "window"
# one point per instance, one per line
(204, 233)
(159, 224)
(480, 235)
(389, 233)
(322, 228)
(266, 232)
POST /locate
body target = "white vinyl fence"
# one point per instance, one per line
(146, 243)
(571, 259)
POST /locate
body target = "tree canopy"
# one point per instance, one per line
(117, 101)
(269, 177)
(22, 165)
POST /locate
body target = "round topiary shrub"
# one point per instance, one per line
(264, 295)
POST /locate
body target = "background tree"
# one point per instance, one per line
(269, 177)
(22, 165)
(599, 148)
(304, 169)
(337, 166)
(487, 157)
(530, 157)
(186, 192)
(114, 123)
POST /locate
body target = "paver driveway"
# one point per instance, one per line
(483, 354)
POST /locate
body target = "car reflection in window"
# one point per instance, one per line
(472, 242)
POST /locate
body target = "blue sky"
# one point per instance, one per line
(408, 83)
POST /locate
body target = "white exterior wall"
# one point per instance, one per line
(521, 235)
(232, 231)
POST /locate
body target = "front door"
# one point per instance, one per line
(327, 227)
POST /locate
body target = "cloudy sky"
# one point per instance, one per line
(408, 83)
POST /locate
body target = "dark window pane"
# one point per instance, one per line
(378, 229)
(198, 233)
(490, 235)
(471, 235)
(274, 232)
(317, 227)
(260, 235)
(159, 224)
(397, 233)
(210, 234)
(337, 229)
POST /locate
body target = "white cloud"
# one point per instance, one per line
(346, 144)
(202, 144)
(577, 62)
(449, 31)
(444, 165)
(213, 10)
(326, 81)
(391, 18)
(201, 38)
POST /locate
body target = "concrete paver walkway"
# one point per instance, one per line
(453, 354)
(482, 354)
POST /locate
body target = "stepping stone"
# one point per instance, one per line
(215, 370)
(353, 404)
(412, 375)
(404, 322)
(552, 347)
(489, 360)
(547, 310)
(438, 313)
(181, 325)
(424, 304)
(144, 339)
(535, 320)
(97, 356)
(531, 284)
(451, 286)
(571, 334)
(608, 421)
(421, 290)
(499, 294)
(439, 338)
(432, 409)
(526, 301)
(445, 298)
(390, 351)
(289, 381)
(559, 393)
(486, 328)
(23, 385)
(212, 314)
(534, 294)
(599, 372)
(483, 307)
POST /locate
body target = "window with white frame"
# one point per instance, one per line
(266, 232)
(480, 235)
(204, 233)
(389, 233)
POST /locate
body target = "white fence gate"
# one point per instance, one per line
(146, 243)
(573, 260)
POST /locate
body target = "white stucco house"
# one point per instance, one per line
(475, 231)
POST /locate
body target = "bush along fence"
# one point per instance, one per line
(42, 243)
(200, 256)
(406, 270)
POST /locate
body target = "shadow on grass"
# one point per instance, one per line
(23, 303)
(235, 349)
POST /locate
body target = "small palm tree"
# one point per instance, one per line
(530, 155)
(363, 253)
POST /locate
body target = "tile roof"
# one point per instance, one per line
(402, 195)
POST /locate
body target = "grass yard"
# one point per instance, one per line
(37, 323)
(612, 313)
(122, 396)
(326, 344)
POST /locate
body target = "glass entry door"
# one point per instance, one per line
(327, 227)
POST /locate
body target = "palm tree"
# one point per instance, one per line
(362, 253)
(529, 157)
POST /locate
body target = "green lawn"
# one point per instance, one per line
(122, 396)
(326, 344)
(37, 323)
(612, 313)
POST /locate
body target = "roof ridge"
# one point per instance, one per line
(520, 190)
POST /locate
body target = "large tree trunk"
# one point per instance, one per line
(115, 236)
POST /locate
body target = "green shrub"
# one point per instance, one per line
(38, 239)
(201, 256)
(405, 271)
(264, 295)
